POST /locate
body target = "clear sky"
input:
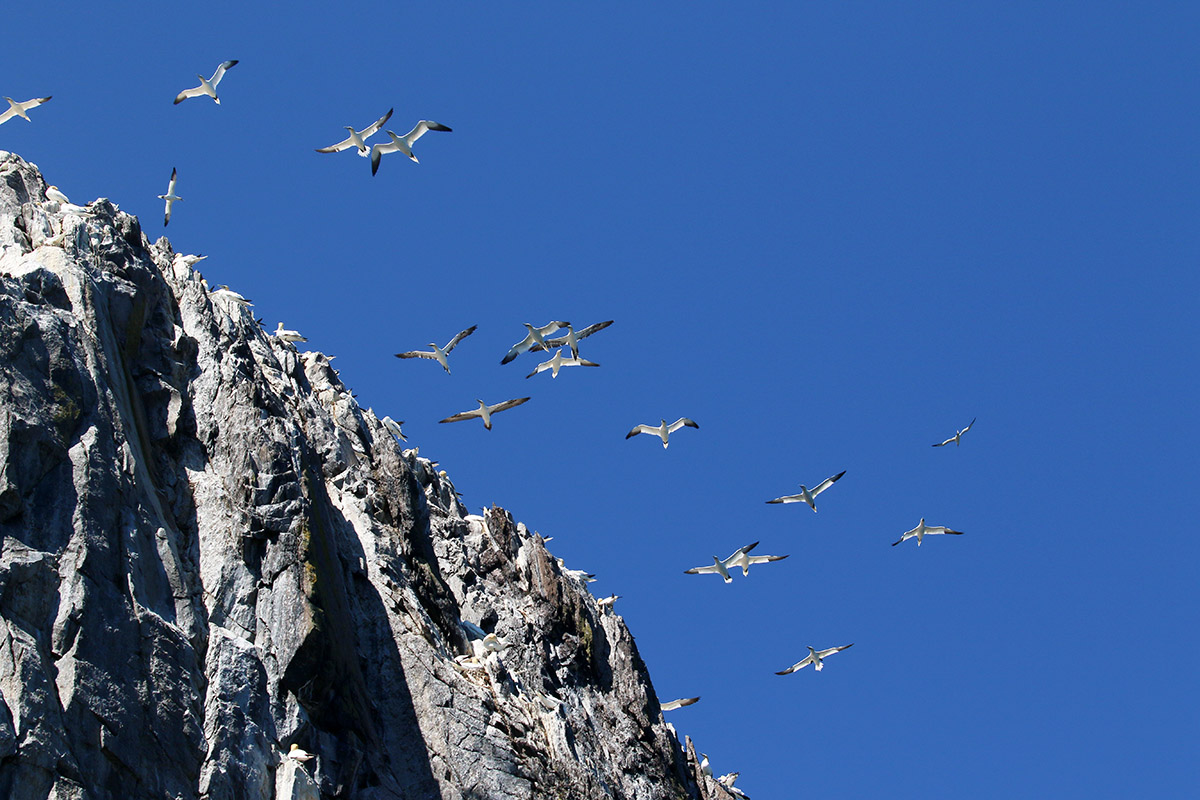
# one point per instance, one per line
(832, 234)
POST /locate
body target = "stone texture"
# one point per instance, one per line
(209, 551)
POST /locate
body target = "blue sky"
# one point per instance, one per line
(831, 234)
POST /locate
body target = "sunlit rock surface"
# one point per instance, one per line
(209, 551)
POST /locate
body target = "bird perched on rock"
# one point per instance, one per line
(296, 753)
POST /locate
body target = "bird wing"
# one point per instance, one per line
(680, 703)
(459, 417)
(832, 650)
(825, 484)
(702, 570)
(171, 184)
(375, 126)
(378, 150)
(560, 341)
(220, 73)
(641, 429)
(416, 354)
(764, 559)
(339, 147)
(943, 444)
(423, 127)
(939, 529)
(578, 362)
(7, 115)
(680, 423)
(808, 659)
(462, 335)
(788, 498)
(188, 93)
(964, 430)
(542, 367)
(507, 404)
(906, 535)
(518, 348)
(741, 551)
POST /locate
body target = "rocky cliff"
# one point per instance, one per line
(209, 552)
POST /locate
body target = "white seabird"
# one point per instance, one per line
(393, 428)
(680, 703)
(739, 558)
(705, 768)
(288, 336)
(808, 495)
(485, 411)
(922, 530)
(534, 336)
(439, 353)
(403, 143)
(189, 261)
(358, 138)
(558, 362)
(727, 780)
(956, 437)
(606, 602)
(207, 87)
(54, 195)
(814, 657)
(664, 430)
(170, 197)
(16, 109)
(571, 339)
(225, 293)
(296, 753)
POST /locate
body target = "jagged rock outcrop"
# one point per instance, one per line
(209, 551)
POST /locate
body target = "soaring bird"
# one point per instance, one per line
(739, 558)
(558, 362)
(403, 143)
(485, 411)
(814, 657)
(207, 87)
(572, 337)
(664, 430)
(808, 495)
(16, 109)
(170, 197)
(439, 353)
(956, 437)
(534, 336)
(922, 530)
(358, 138)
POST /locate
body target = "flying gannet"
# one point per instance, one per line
(663, 431)
(558, 362)
(16, 109)
(680, 703)
(288, 336)
(739, 558)
(207, 87)
(571, 339)
(956, 437)
(296, 753)
(170, 197)
(403, 143)
(439, 353)
(922, 530)
(485, 411)
(814, 657)
(808, 495)
(358, 138)
(393, 428)
(534, 336)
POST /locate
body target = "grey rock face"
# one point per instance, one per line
(209, 551)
